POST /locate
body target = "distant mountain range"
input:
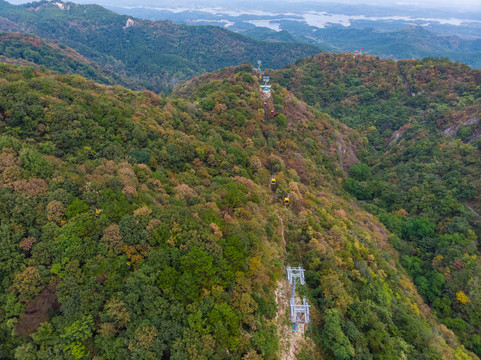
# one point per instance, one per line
(396, 32)
(149, 53)
(140, 226)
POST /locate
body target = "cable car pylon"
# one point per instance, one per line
(262, 76)
(299, 309)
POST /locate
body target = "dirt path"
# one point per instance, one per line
(290, 343)
(265, 95)
(473, 211)
(282, 237)
(271, 197)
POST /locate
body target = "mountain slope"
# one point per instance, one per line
(266, 34)
(412, 42)
(32, 50)
(155, 233)
(384, 37)
(152, 52)
(420, 173)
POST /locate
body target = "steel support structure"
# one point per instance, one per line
(266, 87)
(299, 309)
(294, 275)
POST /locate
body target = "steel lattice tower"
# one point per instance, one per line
(299, 309)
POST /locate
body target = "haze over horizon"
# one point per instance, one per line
(462, 5)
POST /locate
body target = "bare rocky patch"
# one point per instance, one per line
(37, 310)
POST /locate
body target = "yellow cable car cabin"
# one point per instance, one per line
(286, 200)
(273, 181)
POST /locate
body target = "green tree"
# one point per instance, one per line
(333, 338)
(34, 162)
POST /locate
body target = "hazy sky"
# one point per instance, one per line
(467, 5)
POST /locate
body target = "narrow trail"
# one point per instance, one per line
(473, 211)
(265, 95)
(282, 237)
(271, 198)
(290, 343)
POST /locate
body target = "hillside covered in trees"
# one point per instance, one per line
(30, 50)
(150, 53)
(409, 42)
(140, 226)
(420, 171)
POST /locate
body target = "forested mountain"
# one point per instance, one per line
(420, 172)
(150, 53)
(266, 34)
(30, 50)
(407, 43)
(400, 32)
(411, 42)
(135, 226)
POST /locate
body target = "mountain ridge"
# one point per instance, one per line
(420, 171)
(156, 232)
(30, 50)
(411, 37)
(161, 236)
(153, 52)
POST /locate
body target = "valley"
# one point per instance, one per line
(397, 32)
(141, 221)
(150, 55)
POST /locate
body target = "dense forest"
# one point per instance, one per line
(150, 53)
(411, 42)
(420, 172)
(140, 226)
(30, 50)
(414, 36)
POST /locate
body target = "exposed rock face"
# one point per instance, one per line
(452, 130)
(62, 6)
(37, 310)
(7, 25)
(129, 23)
